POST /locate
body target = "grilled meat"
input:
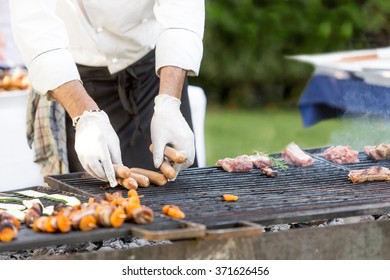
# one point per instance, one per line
(341, 154)
(374, 173)
(378, 152)
(294, 155)
(238, 164)
(245, 163)
(269, 172)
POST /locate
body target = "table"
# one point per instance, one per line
(330, 94)
(17, 168)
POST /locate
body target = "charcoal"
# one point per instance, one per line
(278, 227)
(335, 222)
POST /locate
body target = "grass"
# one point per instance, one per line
(229, 133)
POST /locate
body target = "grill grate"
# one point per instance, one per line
(296, 195)
(299, 194)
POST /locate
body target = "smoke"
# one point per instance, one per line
(360, 131)
(366, 121)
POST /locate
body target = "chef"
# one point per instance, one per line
(119, 69)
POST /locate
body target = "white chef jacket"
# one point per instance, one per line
(53, 35)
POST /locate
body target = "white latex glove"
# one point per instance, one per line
(168, 126)
(97, 146)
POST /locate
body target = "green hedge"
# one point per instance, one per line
(246, 42)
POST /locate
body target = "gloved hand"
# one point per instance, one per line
(168, 126)
(97, 146)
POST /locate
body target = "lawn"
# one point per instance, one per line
(229, 133)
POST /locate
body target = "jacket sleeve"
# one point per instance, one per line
(180, 40)
(42, 40)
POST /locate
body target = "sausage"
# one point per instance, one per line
(123, 176)
(129, 183)
(154, 177)
(142, 180)
(121, 171)
(172, 154)
(168, 171)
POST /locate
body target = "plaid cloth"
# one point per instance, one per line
(46, 134)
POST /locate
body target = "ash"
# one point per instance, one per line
(105, 245)
(325, 223)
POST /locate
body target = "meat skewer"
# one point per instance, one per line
(8, 231)
(9, 226)
(33, 214)
(111, 211)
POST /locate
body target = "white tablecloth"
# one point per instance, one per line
(17, 169)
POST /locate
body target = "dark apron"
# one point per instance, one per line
(128, 99)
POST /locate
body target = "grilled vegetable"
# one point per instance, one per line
(173, 211)
(32, 193)
(69, 200)
(9, 206)
(18, 214)
(229, 197)
(29, 202)
(10, 199)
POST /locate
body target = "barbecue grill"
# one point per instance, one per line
(296, 195)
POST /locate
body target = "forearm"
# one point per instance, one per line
(74, 98)
(172, 80)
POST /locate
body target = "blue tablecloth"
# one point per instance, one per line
(326, 96)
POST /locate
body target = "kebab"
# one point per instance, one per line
(139, 214)
(9, 226)
(32, 214)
